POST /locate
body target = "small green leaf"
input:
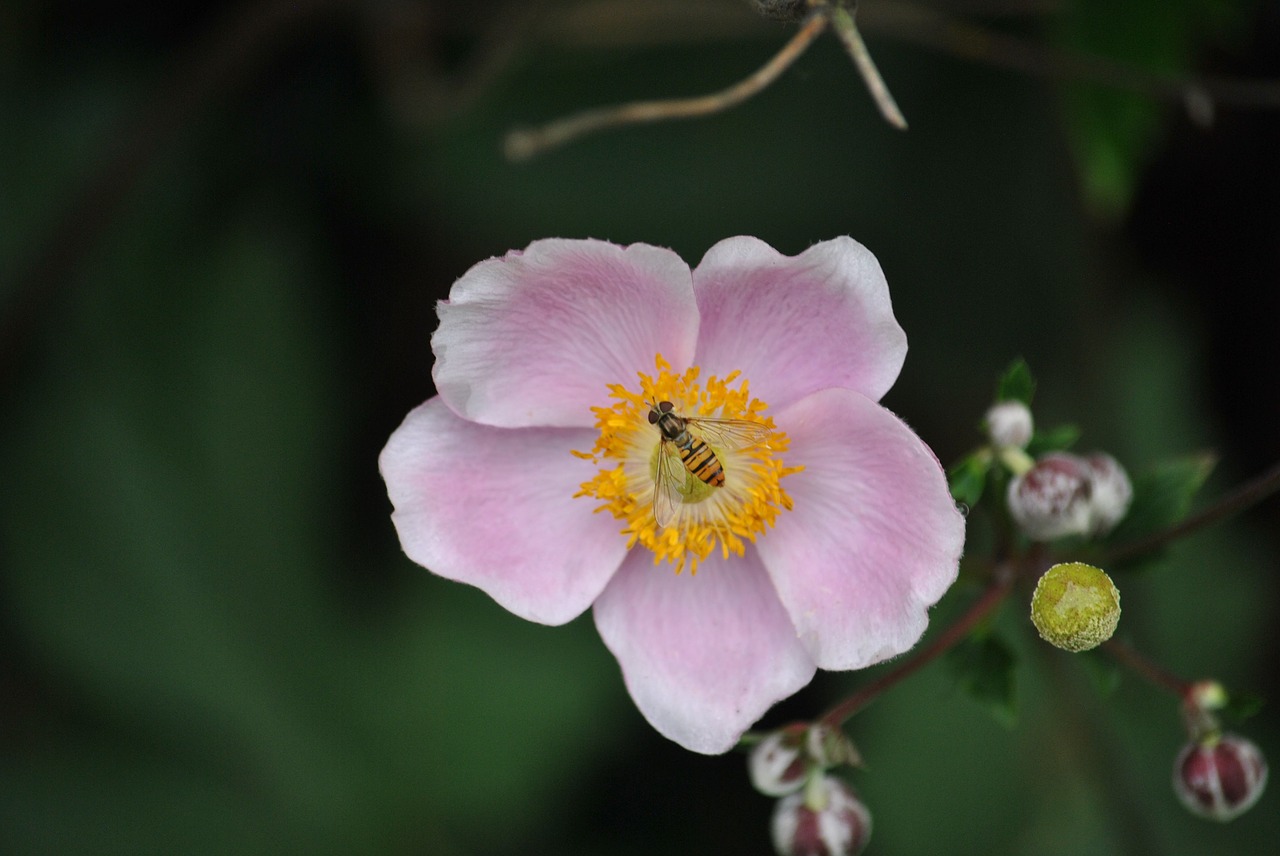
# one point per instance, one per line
(1103, 672)
(1162, 496)
(1241, 706)
(1053, 440)
(968, 477)
(1016, 384)
(985, 667)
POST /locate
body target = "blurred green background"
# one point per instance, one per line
(223, 228)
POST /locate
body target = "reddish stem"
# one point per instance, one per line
(943, 642)
(1246, 495)
(1129, 656)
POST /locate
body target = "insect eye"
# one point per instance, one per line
(653, 417)
(665, 406)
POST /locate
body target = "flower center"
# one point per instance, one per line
(688, 466)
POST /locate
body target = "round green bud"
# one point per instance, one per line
(1075, 606)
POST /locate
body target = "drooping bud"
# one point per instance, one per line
(782, 762)
(1220, 779)
(1075, 606)
(826, 819)
(1111, 492)
(779, 764)
(1009, 424)
(1200, 706)
(1065, 494)
(1052, 498)
(830, 747)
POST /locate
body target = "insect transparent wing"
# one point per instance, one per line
(730, 434)
(668, 476)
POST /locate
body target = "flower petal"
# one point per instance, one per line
(795, 325)
(494, 508)
(535, 337)
(704, 655)
(874, 538)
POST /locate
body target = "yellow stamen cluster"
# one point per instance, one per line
(627, 449)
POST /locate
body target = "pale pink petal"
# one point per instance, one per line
(874, 538)
(494, 508)
(535, 337)
(794, 325)
(704, 655)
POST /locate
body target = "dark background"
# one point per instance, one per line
(223, 229)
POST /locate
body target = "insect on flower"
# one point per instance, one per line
(694, 448)
(816, 536)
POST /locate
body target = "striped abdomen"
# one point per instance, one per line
(699, 459)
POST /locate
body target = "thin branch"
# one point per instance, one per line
(847, 30)
(524, 143)
(416, 84)
(1248, 494)
(1147, 668)
(932, 28)
(943, 642)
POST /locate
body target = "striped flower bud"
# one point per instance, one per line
(1220, 779)
(825, 819)
(1110, 494)
(1052, 498)
(779, 764)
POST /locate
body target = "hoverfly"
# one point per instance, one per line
(695, 453)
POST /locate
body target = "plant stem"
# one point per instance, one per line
(1249, 493)
(524, 143)
(943, 642)
(1129, 656)
(847, 30)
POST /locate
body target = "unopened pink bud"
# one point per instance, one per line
(1111, 492)
(1220, 779)
(826, 819)
(1052, 498)
(1009, 424)
(779, 763)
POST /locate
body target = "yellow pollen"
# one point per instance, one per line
(706, 518)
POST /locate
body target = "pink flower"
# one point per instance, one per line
(532, 474)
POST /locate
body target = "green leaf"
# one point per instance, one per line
(1053, 440)
(1241, 706)
(968, 477)
(985, 667)
(1162, 496)
(1016, 384)
(1112, 131)
(1103, 672)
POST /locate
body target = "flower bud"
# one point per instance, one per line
(1220, 779)
(830, 747)
(1009, 424)
(1052, 498)
(779, 763)
(1200, 704)
(1075, 606)
(826, 819)
(1111, 492)
(782, 762)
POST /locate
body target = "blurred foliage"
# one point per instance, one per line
(1111, 131)
(1016, 384)
(212, 642)
(985, 668)
(968, 477)
(1162, 496)
(1055, 439)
